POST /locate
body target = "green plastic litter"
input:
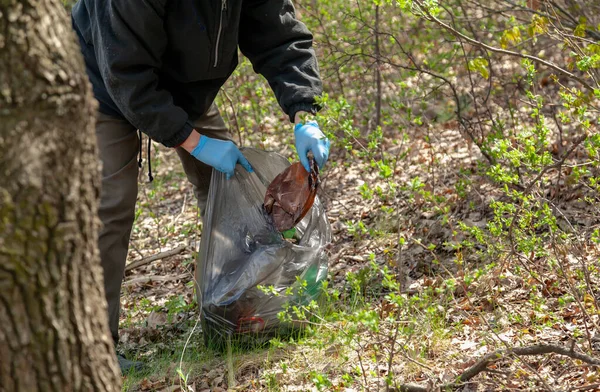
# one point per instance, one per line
(289, 234)
(313, 284)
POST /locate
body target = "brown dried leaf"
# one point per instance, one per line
(156, 319)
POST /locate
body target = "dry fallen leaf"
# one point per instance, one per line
(172, 388)
(156, 319)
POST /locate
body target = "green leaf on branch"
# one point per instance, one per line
(480, 65)
(510, 36)
(589, 62)
(581, 28)
(539, 25)
(405, 5)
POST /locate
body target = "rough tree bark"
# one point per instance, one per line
(53, 327)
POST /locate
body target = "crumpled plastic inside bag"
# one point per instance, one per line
(241, 249)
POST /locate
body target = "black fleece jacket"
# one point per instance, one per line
(160, 63)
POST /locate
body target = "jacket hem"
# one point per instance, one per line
(179, 137)
(302, 107)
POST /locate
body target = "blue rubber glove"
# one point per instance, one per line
(310, 138)
(223, 155)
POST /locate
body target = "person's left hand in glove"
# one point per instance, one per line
(310, 138)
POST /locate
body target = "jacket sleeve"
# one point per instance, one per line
(129, 41)
(280, 48)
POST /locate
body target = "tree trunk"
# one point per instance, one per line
(53, 325)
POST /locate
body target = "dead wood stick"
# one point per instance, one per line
(412, 388)
(587, 387)
(492, 357)
(158, 256)
(528, 350)
(154, 278)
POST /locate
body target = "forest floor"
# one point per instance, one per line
(450, 330)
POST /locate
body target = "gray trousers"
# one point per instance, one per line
(118, 144)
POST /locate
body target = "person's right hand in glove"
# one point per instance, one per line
(310, 138)
(223, 155)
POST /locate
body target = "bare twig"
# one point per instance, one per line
(154, 278)
(587, 387)
(377, 69)
(235, 118)
(133, 245)
(537, 349)
(158, 256)
(315, 14)
(473, 41)
(575, 21)
(411, 388)
(417, 67)
(492, 357)
(362, 368)
(176, 217)
(570, 24)
(558, 164)
(391, 358)
(576, 295)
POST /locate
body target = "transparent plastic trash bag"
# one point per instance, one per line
(241, 253)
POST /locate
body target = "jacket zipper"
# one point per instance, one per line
(223, 9)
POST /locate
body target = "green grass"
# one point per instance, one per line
(167, 364)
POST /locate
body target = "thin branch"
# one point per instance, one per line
(587, 387)
(537, 349)
(377, 68)
(235, 118)
(459, 116)
(158, 256)
(492, 357)
(154, 278)
(411, 388)
(391, 358)
(558, 164)
(362, 368)
(454, 32)
(573, 22)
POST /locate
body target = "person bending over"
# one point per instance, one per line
(156, 66)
